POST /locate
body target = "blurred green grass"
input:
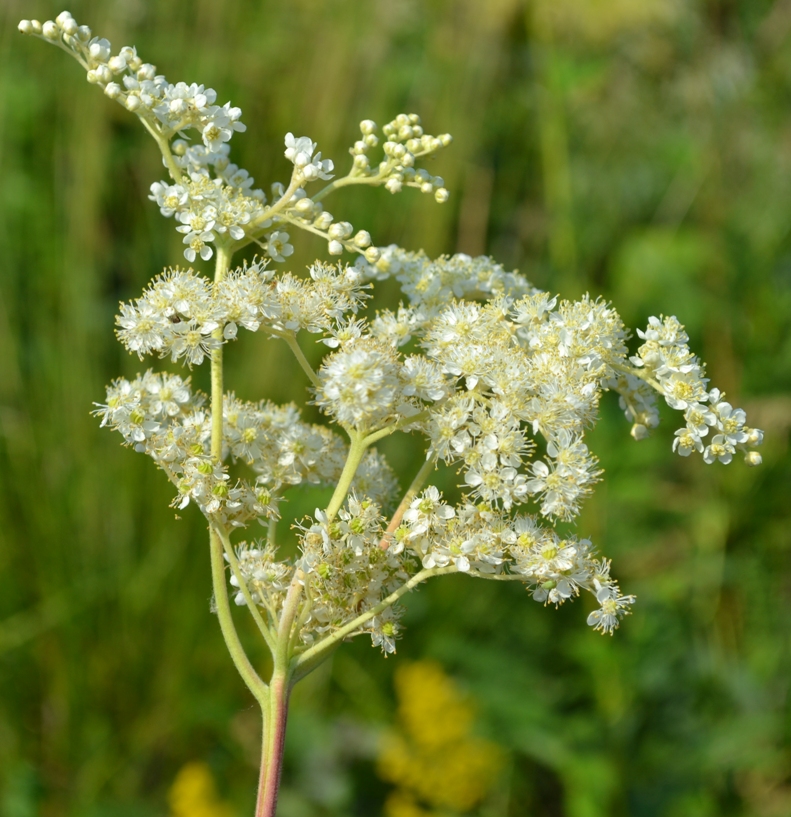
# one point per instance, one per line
(638, 150)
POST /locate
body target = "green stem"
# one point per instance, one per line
(403, 423)
(291, 340)
(251, 605)
(316, 654)
(221, 268)
(417, 483)
(240, 659)
(270, 212)
(231, 637)
(641, 374)
(349, 179)
(356, 451)
(164, 147)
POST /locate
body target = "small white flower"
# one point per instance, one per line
(277, 246)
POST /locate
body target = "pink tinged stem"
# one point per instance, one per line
(274, 738)
(275, 710)
(412, 492)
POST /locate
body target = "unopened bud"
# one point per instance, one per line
(116, 64)
(304, 206)
(362, 239)
(323, 220)
(146, 71)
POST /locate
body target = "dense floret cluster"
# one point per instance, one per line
(214, 200)
(501, 380)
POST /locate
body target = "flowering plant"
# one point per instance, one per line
(500, 379)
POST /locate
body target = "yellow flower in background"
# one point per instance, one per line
(194, 793)
(432, 756)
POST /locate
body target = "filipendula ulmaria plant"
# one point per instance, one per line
(502, 382)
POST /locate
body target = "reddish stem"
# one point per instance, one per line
(274, 739)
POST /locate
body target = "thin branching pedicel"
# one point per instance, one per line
(501, 380)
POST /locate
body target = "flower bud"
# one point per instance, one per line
(68, 25)
(146, 71)
(116, 64)
(753, 458)
(372, 255)
(304, 206)
(25, 27)
(362, 239)
(441, 195)
(50, 30)
(335, 248)
(754, 436)
(344, 229)
(367, 126)
(323, 220)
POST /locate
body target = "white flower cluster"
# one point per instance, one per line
(505, 389)
(479, 540)
(665, 357)
(501, 379)
(265, 577)
(350, 564)
(161, 416)
(138, 87)
(405, 142)
(212, 199)
(347, 572)
(184, 316)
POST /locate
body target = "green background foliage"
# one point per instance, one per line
(637, 149)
